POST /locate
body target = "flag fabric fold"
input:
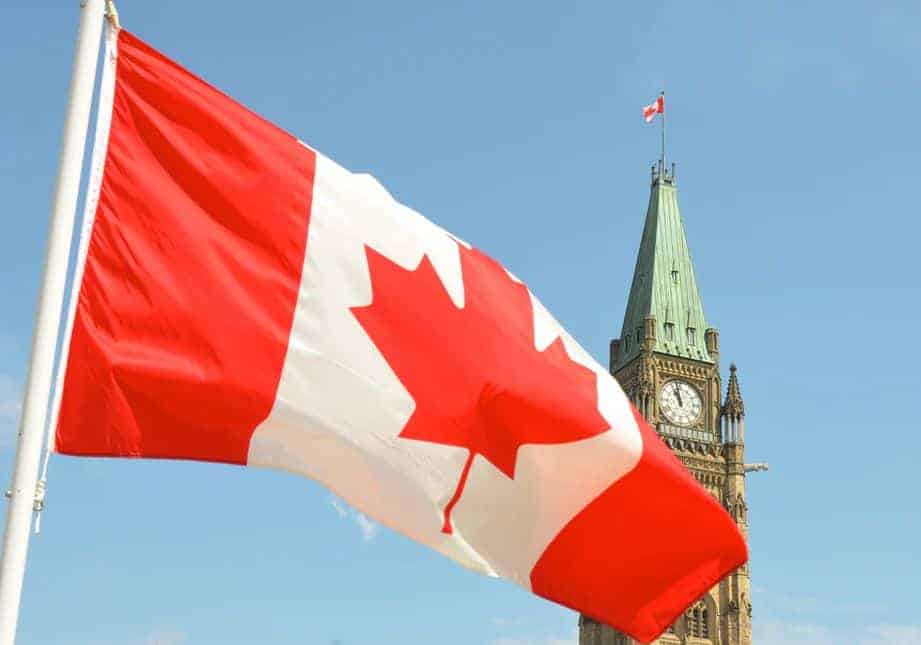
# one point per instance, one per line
(243, 299)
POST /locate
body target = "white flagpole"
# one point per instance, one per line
(47, 322)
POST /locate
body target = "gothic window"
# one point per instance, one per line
(699, 622)
(639, 331)
(626, 342)
(692, 336)
(669, 331)
(675, 276)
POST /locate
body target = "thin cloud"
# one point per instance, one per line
(571, 639)
(166, 637)
(367, 526)
(506, 622)
(805, 633)
(339, 507)
(798, 604)
(158, 636)
(803, 619)
(894, 634)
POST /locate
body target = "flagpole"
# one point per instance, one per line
(662, 169)
(47, 323)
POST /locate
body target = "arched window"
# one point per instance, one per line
(699, 622)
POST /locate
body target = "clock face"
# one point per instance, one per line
(680, 402)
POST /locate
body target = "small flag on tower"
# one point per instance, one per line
(650, 111)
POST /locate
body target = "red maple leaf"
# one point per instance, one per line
(474, 373)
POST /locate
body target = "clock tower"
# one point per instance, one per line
(667, 360)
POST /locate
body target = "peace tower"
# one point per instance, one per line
(667, 361)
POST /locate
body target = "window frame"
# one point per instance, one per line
(669, 331)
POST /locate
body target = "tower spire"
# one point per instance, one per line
(733, 411)
(664, 287)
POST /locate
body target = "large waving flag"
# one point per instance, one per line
(243, 299)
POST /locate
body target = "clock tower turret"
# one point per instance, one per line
(667, 361)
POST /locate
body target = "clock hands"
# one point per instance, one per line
(678, 394)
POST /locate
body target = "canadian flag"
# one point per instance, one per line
(650, 111)
(243, 299)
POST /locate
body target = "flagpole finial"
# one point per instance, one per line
(112, 14)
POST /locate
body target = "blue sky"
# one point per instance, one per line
(517, 126)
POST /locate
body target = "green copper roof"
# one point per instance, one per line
(663, 284)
